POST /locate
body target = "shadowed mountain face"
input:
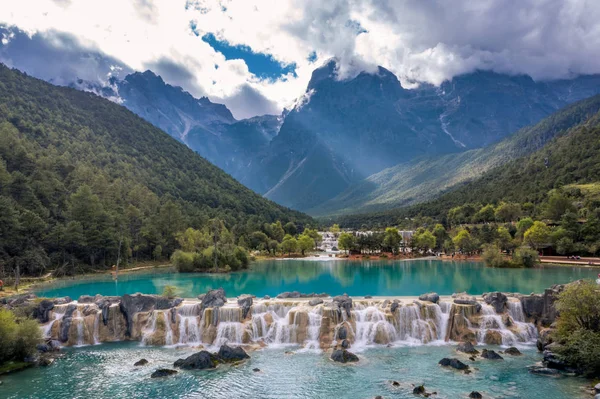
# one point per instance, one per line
(344, 131)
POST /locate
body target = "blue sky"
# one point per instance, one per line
(262, 65)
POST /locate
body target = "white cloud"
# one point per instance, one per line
(419, 40)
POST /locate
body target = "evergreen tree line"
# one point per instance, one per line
(86, 183)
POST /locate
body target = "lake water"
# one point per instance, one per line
(397, 278)
(106, 371)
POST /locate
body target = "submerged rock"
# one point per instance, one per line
(497, 300)
(513, 351)
(454, 363)
(419, 390)
(490, 355)
(475, 395)
(256, 370)
(467, 347)
(542, 370)
(141, 362)
(198, 361)
(343, 356)
(229, 354)
(430, 297)
(163, 373)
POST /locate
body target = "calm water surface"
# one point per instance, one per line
(402, 278)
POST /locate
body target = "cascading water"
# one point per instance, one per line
(442, 312)
(47, 328)
(189, 324)
(230, 328)
(80, 326)
(525, 331)
(315, 317)
(97, 328)
(371, 327)
(168, 328)
(148, 332)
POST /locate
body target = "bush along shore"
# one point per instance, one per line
(563, 322)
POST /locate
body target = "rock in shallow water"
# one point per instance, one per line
(430, 297)
(466, 347)
(454, 363)
(198, 361)
(513, 351)
(542, 370)
(497, 300)
(475, 395)
(343, 356)
(141, 362)
(163, 373)
(490, 355)
(229, 354)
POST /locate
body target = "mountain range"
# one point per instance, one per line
(359, 144)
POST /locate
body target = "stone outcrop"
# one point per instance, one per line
(163, 373)
(490, 355)
(430, 297)
(228, 354)
(43, 310)
(467, 347)
(213, 299)
(344, 303)
(343, 356)
(497, 300)
(512, 351)
(198, 361)
(245, 302)
(541, 307)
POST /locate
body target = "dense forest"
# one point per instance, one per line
(84, 182)
(569, 164)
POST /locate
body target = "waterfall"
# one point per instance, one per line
(491, 321)
(80, 326)
(259, 324)
(97, 327)
(442, 312)
(147, 333)
(47, 328)
(315, 316)
(230, 329)
(279, 331)
(372, 327)
(189, 324)
(168, 328)
(525, 331)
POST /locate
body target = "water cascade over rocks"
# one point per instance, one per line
(325, 324)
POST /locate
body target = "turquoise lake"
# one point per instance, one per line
(397, 278)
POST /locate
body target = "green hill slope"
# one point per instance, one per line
(425, 178)
(80, 174)
(571, 158)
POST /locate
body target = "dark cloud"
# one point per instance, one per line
(56, 57)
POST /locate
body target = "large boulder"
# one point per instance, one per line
(42, 311)
(541, 307)
(490, 355)
(430, 297)
(513, 351)
(245, 302)
(141, 362)
(198, 361)
(454, 363)
(475, 395)
(132, 304)
(343, 302)
(315, 301)
(65, 325)
(342, 333)
(228, 354)
(464, 299)
(213, 299)
(289, 295)
(395, 305)
(343, 356)
(467, 347)
(497, 300)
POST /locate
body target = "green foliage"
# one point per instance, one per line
(305, 243)
(525, 257)
(392, 240)
(508, 212)
(289, 244)
(424, 240)
(18, 337)
(504, 239)
(578, 326)
(538, 235)
(464, 242)
(170, 291)
(492, 257)
(84, 181)
(346, 241)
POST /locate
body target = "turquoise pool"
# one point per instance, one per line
(402, 278)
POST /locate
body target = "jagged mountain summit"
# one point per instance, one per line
(342, 131)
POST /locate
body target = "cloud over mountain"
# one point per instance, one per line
(418, 40)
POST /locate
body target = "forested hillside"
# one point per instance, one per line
(84, 180)
(568, 165)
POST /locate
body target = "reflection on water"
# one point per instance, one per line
(335, 277)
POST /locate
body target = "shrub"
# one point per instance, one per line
(18, 337)
(183, 261)
(578, 327)
(525, 257)
(492, 256)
